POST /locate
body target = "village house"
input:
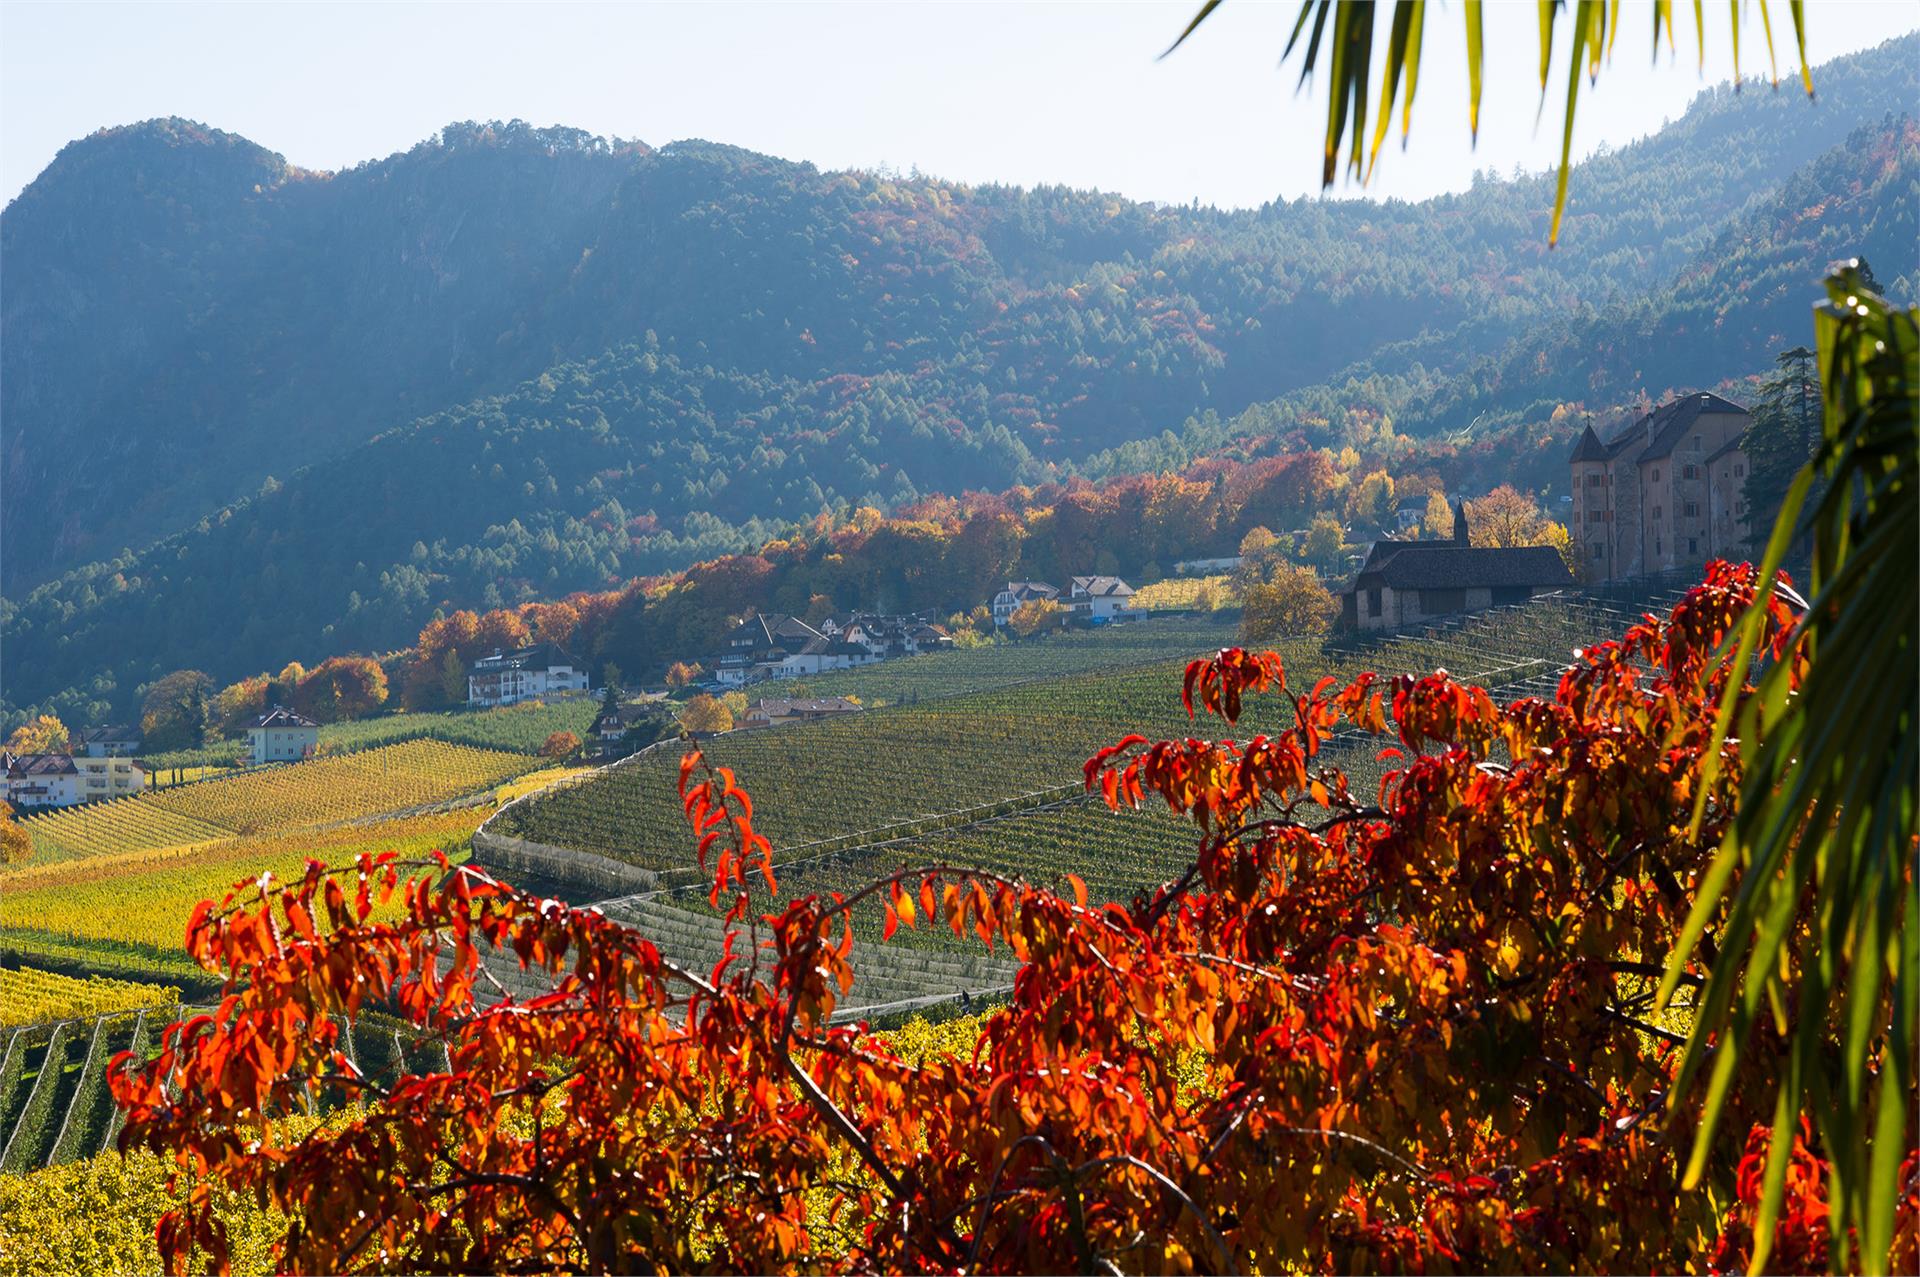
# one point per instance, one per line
(1665, 492)
(110, 742)
(1009, 600)
(1098, 599)
(774, 645)
(1405, 582)
(281, 736)
(1407, 515)
(774, 711)
(60, 780)
(759, 645)
(626, 727)
(529, 673)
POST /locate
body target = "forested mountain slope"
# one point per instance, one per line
(744, 342)
(187, 314)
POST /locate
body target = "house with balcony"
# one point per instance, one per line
(526, 674)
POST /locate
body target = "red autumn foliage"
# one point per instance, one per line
(1412, 1033)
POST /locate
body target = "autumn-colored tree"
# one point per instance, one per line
(43, 734)
(1437, 523)
(551, 622)
(684, 673)
(452, 679)
(239, 701)
(1288, 602)
(175, 713)
(1371, 501)
(1037, 616)
(1324, 541)
(560, 745)
(1401, 1030)
(341, 688)
(735, 701)
(1507, 517)
(706, 713)
(15, 843)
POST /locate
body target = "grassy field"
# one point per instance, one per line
(305, 795)
(521, 729)
(1022, 741)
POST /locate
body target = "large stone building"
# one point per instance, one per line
(1666, 492)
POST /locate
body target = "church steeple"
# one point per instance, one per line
(1460, 524)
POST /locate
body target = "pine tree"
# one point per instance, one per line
(1781, 438)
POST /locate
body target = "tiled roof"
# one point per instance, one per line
(541, 656)
(19, 766)
(1458, 567)
(1101, 587)
(1664, 426)
(1023, 590)
(1590, 448)
(278, 717)
(110, 733)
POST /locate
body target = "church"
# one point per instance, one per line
(1408, 582)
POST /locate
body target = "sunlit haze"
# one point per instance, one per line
(1018, 93)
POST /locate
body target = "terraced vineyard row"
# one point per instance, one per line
(298, 796)
(54, 1102)
(129, 912)
(30, 996)
(868, 771)
(55, 1105)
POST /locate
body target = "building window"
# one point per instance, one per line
(1693, 510)
(1658, 549)
(1691, 472)
(1656, 512)
(1594, 480)
(1373, 602)
(1656, 474)
(1739, 471)
(1599, 552)
(1693, 546)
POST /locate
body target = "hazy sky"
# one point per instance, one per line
(1022, 93)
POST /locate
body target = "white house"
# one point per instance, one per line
(1098, 598)
(110, 742)
(60, 780)
(506, 678)
(41, 780)
(1009, 600)
(282, 736)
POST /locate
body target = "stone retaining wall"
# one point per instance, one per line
(595, 876)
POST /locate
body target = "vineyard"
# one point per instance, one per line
(1017, 745)
(1009, 661)
(520, 729)
(28, 996)
(307, 795)
(129, 911)
(1178, 593)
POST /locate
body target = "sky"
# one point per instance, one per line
(1022, 93)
